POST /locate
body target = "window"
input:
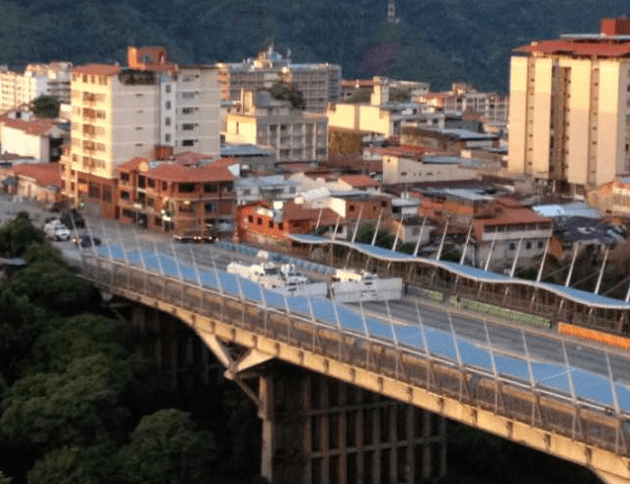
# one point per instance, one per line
(188, 142)
(250, 219)
(188, 110)
(150, 182)
(528, 245)
(124, 195)
(540, 244)
(186, 188)
(168, 105)
(271, 224)
(281, 226)
(512, 246)
(107, 194)
(210, 188)
(259, 221)
(188, 95)
(167, 138)
(167, 88)
(188, 126)
(167, 121)
(210, 207)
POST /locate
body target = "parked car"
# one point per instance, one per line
(73, 218)
(85, 240)
(199, 236)
(59, 232)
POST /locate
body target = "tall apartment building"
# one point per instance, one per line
(318, 83)
(19, 89)
(570, 108)
(118, 113)
(293, 134)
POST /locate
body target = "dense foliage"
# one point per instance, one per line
(439, 41)
(73, 407)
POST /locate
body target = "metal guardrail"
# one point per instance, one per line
(517, 399)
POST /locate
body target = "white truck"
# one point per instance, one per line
(351, 286)
(285, 279)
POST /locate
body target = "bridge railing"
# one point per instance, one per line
(418, 365)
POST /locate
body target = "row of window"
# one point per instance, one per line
(91, 79)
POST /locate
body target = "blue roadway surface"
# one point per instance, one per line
(587, 385)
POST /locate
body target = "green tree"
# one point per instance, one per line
(73, 407)
(167, 448)
(46, 107)
(77, 465)
(287, 92)
(17, 234)
(4, 479)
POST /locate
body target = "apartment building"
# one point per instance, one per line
(19, 89)
(318, 83)
(570, 108)
(295, 135)
(119, 113)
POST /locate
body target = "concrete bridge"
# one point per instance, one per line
(575, 411)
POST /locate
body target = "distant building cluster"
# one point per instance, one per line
(174, 148)
(18, 90)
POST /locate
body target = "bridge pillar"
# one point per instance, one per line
(317, 430)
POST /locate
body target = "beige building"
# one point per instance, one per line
(380, 116)
(318, 83)
(570, 108)
(121, 113)
(295, 135)
(19, 89)
(411, 166)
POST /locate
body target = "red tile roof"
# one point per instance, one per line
(599, 48)
(97, 69)
(173, 172)
(296, 211)
(133, 164)
(37, 127)
(359, 181)
(188, 158)
(44, 174)
(512, 216)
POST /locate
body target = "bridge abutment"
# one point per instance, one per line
(317, 430)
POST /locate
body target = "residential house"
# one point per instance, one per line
(189, 191)
(40, 139)
(36, 181)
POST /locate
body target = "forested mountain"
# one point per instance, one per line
(436, 40)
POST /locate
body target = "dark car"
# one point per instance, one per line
(72, 218)
(85, 240)
(198, 236)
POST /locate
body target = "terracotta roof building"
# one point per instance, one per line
(177, 195)
(36, 181)
(39, 139)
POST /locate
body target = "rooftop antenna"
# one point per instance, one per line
(391, 13)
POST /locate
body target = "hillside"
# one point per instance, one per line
(436, 40)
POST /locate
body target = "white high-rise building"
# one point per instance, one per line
(153, 108)
(570, 108)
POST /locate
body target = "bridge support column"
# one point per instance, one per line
(317, 430)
